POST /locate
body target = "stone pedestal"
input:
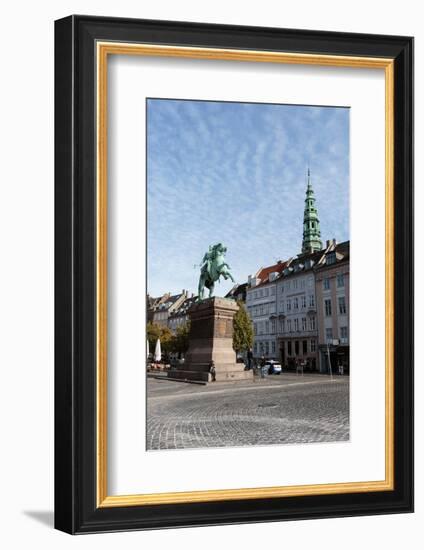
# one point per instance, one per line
(211, 339)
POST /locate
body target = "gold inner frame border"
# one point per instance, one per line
(103, 50)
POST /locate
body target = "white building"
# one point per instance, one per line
(261, 303)
(297, 313)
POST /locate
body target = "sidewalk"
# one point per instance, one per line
(158, 383)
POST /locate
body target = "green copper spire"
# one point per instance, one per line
(311, 231)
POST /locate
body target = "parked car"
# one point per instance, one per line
(273, 367)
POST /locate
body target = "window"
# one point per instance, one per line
(312, 323)
(303, 301)
(303, 323)
(296, 347)
(289, 325)
(282, 289)
(311, 300)
(342, 305)
(310, 282)
(343, 333)
(266, 291)
(313, 346)
(326, 283)
(282, 323)
(288, 305)
(327, 305)
(255, 328)
(305, 347)
(296, 303)
(273, 291)
(331, 258)
(288, 285)
(273, 323)
(328, 334)
(273, 346)
(340, 280)
(266, 327)
(302, 283)
(289, 348)
(296, 324)
(255, 348)
(256, 293)
(295, 284)
(282, 307)
(261, 347)
(266, 348)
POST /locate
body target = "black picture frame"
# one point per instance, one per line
(76, 509)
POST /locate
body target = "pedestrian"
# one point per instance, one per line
(262, 365)
(212, 370)
(249, 359)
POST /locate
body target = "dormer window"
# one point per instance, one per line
(331, 258)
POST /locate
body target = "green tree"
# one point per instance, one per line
(180, 343)
(166, 339)
(155, 331)
(243, 330)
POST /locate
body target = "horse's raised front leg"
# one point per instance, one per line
(230, 276)
(227, 275)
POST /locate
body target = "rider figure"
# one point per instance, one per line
(212, 267)
(207, 259)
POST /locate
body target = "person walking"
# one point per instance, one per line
(249, 359)
(262, 365)
(212, 370)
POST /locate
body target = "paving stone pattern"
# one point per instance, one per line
(284, 409)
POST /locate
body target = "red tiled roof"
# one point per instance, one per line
(264, 272)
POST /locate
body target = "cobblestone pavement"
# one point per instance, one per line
(278, 409)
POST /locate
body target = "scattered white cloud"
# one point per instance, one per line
(236, 173)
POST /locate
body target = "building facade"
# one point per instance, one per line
(166, 307)
(179, 316)
(297, 313)
(332, 292)
(261, 303)
(300, 307)
(153, 303)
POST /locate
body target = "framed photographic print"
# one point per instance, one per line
(234, 288)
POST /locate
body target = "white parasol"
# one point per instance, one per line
(158, 353)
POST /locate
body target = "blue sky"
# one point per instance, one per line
(236, 173)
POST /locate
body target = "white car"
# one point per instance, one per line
(273, 367)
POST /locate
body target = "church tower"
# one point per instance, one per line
(311, 231)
